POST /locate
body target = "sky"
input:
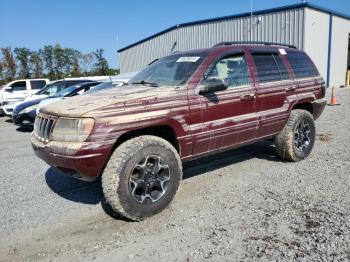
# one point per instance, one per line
(112, 24)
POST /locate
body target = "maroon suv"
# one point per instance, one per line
(182, 106)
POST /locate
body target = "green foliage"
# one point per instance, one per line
(22, 56)
(9, 64)
(48, 57)
(53, 62)
(37, 64)
(101, 65)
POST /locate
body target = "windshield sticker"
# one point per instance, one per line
(191, 59)
(282, 51)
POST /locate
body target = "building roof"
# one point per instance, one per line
(247, 14)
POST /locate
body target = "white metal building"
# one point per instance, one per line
(324, 34)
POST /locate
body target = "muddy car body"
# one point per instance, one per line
(202, 116)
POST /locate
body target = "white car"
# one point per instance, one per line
(18, 90)
(50, 89)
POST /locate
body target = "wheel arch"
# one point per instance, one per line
(162, 130)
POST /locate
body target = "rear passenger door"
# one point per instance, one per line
(273, 84)
(230, 114)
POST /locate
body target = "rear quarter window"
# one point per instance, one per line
(37, 84)
(301, 65)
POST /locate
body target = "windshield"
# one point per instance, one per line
(66, 91)
(174, 70)
(101, 86)
(50, 89)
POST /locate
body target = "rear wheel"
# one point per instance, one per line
(142, 177)
(297, 138)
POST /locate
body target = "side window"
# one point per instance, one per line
(270, 68)
(301, 65)
(282, 67)
(68, 84)
(233, 70)
(37, 84)
(54, 88)
(19, 86)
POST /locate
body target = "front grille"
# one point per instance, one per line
(43, 126)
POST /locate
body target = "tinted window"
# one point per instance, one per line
(19, 86)
(232, 70)
(270, 68)
(37, 84)
(301, 65)
(282, 67)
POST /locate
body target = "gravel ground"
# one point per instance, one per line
(244, 205)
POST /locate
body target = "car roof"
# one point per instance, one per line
(227, 46)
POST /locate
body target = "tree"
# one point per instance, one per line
(59, 61)
(86, 61)
(1, 73)
(101, 64)
(71, 61)
(9, 63)
(37, 64)
(48, 58)
(22, 56)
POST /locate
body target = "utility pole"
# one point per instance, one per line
(251, 20)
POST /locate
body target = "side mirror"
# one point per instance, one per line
(212, 85)
(8, 89)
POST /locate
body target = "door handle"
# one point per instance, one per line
(247, 97)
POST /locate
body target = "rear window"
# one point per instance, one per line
(37, 84)
(301, 65)
(270, 67)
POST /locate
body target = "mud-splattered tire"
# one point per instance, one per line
(137, 160)
(297, 138)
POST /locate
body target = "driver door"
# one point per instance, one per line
(231, 117)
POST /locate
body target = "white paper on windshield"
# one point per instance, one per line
(191, 59)
(282, 51)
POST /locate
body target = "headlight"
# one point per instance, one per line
(28, 109)
(72, 130)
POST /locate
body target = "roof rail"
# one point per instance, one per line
(254, 43)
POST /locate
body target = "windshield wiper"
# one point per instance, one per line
(143, 82)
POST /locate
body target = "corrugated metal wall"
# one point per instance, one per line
(283, 27)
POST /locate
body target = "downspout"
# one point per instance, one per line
(329, 48)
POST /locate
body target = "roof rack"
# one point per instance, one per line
(254, 43)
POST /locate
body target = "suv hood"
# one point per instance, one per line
(111, 99)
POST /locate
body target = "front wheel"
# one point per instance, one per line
(142, 177)
(297, 138)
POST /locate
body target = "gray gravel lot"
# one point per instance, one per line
(244, 204)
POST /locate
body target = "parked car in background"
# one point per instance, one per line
(19, 89)
(49, 89)
(182, 107)
(118, 80)
(24, 114)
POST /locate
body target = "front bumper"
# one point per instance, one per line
(84, 161)
(318, 107)
(23, 119)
